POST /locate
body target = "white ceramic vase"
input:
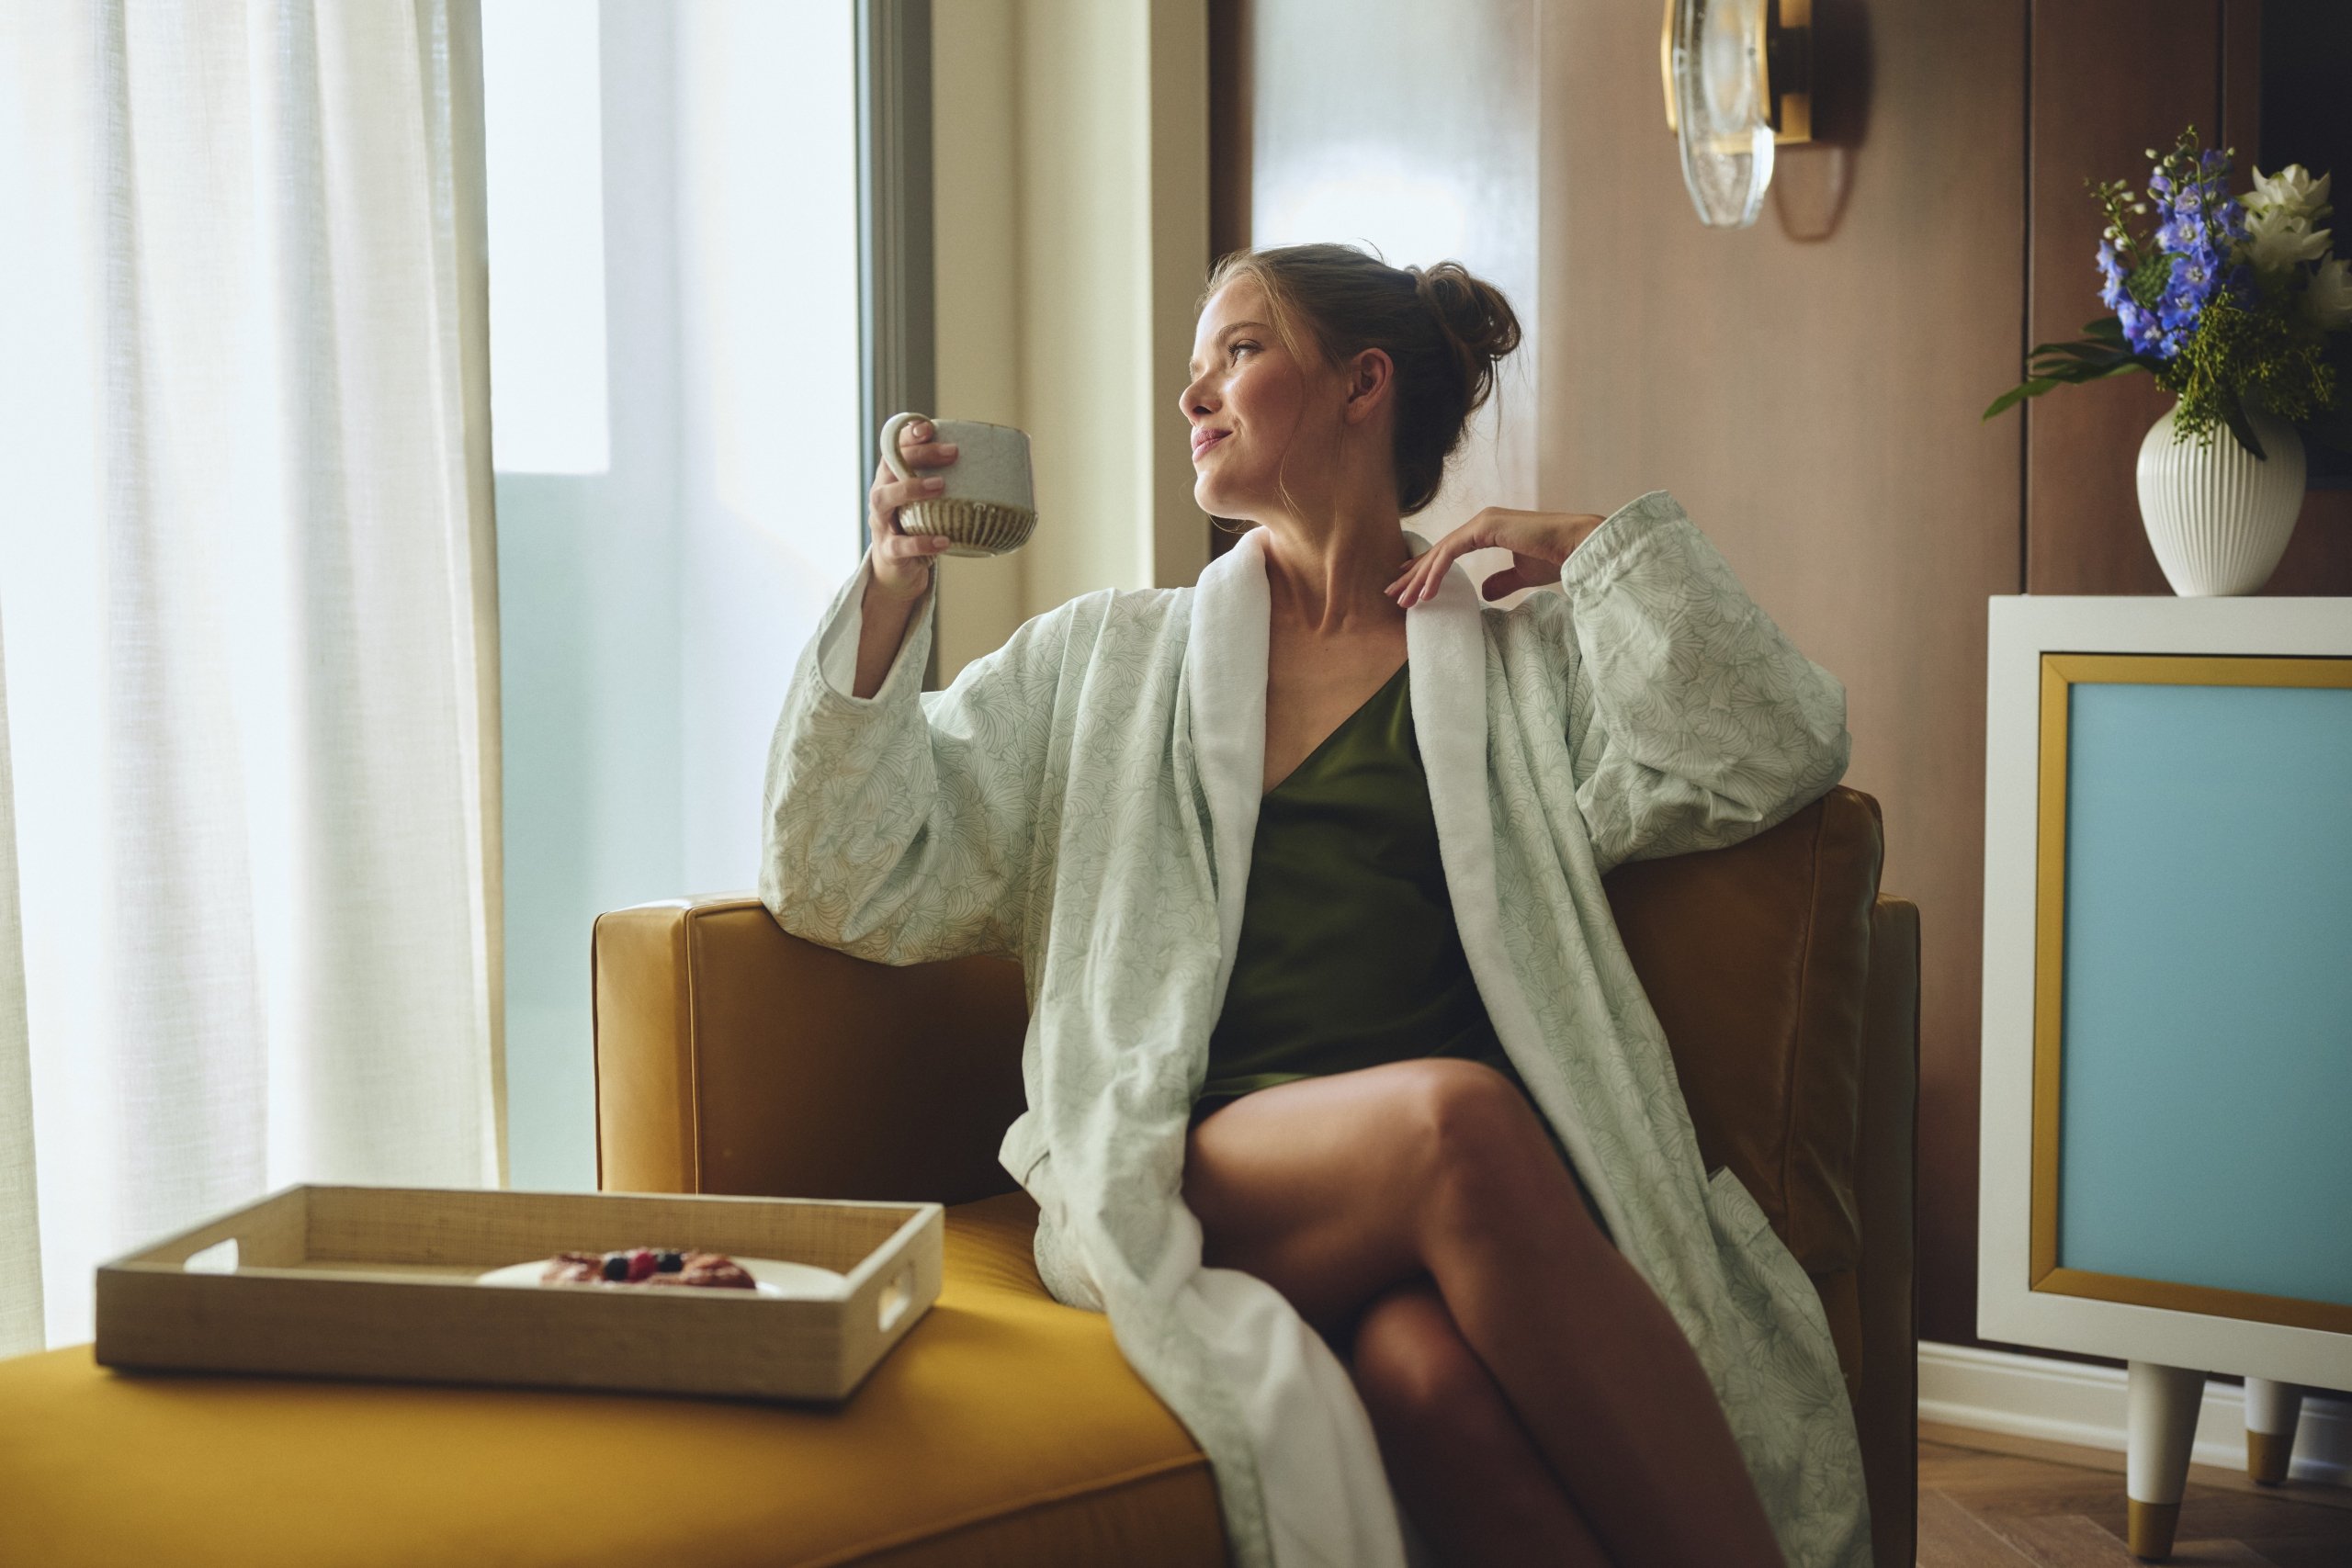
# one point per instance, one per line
(2219, 517)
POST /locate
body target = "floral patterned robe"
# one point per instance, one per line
(1085, 800)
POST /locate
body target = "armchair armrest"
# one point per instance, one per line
(733, 1057)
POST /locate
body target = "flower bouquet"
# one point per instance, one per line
(2236, 306)
(2227, 299)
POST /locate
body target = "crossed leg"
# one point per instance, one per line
(1417, 1216)
(1459, 1458)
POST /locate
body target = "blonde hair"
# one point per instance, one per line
(1445, 330)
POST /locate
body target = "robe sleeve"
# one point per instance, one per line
(900, 828)
(1692, 722)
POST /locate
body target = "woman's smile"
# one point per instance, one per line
(1204, 439)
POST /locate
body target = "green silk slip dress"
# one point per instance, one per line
(1348, 955)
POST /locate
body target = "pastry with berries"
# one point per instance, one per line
(648, 1266)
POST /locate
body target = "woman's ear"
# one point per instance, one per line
(1371, 376)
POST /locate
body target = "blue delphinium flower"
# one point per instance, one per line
(2110, 268)
(2190, 260)
(2138, 328)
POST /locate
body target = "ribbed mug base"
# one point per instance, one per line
(978, 527)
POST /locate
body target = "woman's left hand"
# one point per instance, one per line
(1538, 542)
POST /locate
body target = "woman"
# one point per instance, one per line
(1333, 1048)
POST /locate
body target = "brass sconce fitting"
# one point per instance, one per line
(1739, 80)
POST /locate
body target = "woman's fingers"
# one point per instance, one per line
(918, 450)
(1407, 589)
(1540, 543)
(1507, 580)
(920, 487)
(927, 454)
(1428, 572)
(899, 542)
(889, 494)
(902, 561)
(1412, 585)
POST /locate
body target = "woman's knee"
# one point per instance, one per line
(1453, 1104)
(1411, 1365)
(1481, 1146)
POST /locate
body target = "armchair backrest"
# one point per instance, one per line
(732, 1058)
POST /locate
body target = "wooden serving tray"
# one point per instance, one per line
(379, 1282)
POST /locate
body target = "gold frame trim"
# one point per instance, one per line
(2059, 673)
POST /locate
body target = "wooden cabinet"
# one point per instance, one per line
(2167, 1046)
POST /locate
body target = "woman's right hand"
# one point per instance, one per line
(902, 561)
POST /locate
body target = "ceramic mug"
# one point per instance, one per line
(989, 505)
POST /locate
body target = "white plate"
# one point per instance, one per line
(803, 1282)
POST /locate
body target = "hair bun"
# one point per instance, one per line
(1471, 311)
(1478, 323)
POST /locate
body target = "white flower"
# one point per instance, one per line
(2291, 192)
(2278, 238)
(2328, 300)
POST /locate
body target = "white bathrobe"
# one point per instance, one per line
(1085, 800)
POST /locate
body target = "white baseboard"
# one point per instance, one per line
(2073, 1401)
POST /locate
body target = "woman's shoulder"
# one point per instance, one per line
(1540, 617)
(1117, 622)
(1117, 611)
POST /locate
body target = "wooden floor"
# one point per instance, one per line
(1987, 1501)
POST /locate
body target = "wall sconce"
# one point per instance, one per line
(1739, 79)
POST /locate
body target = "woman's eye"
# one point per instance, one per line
(1240, 346)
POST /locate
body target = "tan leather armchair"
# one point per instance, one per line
(732, 1057)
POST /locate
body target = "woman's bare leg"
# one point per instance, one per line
(1333, 1189)
(1463, 1465)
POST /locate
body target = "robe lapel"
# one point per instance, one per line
(1446, 640)
(1225, 676)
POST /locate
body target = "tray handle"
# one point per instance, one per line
(897, 1296)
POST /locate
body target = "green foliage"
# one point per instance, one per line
(2145, 282)
(2267, 356)
(2100, 354)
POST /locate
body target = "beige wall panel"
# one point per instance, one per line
(1814, 404)
(1176, 241)
(1078, 257)
(976, 283)
(1070, 144)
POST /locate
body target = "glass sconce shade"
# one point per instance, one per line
(1735, 84)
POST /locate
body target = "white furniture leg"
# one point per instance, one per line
(2162, 1420)
(2271, 1410)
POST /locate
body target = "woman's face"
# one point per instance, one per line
(1250, 404)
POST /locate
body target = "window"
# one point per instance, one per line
(543, 141)
(675, 374)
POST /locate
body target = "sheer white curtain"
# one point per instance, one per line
(246, 565)
(20, 1294)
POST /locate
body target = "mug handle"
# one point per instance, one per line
(890, 429)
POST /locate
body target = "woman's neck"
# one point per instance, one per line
(1329, 580)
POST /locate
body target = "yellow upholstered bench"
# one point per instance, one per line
(1005, 1431)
